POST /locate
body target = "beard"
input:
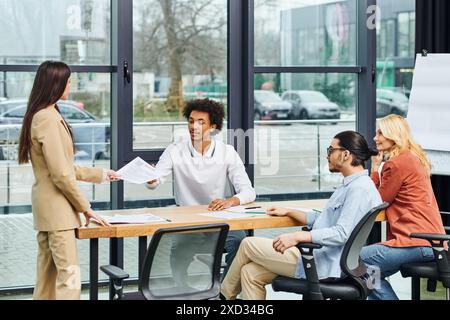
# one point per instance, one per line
(333, 168)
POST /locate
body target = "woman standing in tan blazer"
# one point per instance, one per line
(46, 140)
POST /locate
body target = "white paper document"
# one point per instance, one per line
(133, 218)
(138, 171)
(226, 215)
(242, 209)
(429, 112)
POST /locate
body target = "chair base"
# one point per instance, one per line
(133, 296)
(427, 270)
(342, 289)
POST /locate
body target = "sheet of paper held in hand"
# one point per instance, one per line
(138, 171)
(133, 218)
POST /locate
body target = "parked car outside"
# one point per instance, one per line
(269, 106)
(10, 104)
(91, 136)
(309, 104)
(404, 90)
(391, 102)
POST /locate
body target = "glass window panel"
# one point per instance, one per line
(395, 56)
(18, 249)
(290, 157)
(299, 32)
(74, 31)
(403, 34)
(385, 39)
(173, 67)
(88, 112)
(412, 34)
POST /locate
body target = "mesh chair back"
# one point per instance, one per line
(351, 263)
(172, 270)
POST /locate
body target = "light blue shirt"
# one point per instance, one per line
(332, 227)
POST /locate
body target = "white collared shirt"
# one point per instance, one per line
(199, 179)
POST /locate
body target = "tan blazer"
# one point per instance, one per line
(56, 198)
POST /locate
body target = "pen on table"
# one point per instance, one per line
(168, 220)
(252, 208)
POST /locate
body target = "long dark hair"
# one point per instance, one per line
(357, 145)
(48, 87)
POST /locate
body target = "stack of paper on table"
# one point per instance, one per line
(133, 218)
(138, 171)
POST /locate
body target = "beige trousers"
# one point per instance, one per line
(256, 264)
(58, 272)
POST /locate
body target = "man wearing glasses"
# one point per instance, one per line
(259, 260)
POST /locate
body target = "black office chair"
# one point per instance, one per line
(352, 286)
(434, 271)
(157, 279)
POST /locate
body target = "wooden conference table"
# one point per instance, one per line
(178, 216)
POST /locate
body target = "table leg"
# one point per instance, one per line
(93, 269)
(415, 288)
(115, 259)
(142, 253)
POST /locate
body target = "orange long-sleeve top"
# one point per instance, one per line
(406, 185)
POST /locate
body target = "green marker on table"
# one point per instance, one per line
(255, 212)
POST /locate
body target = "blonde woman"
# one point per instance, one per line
(47, 141)
(403, 180)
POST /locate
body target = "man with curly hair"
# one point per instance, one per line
(205, 171)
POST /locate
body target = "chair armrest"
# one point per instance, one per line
(442, 256)
(308, 245)
(114, 273)
(309, 265)
(432, 238)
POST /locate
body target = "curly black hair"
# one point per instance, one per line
(215, 110)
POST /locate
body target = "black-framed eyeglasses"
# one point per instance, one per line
(330, 150)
